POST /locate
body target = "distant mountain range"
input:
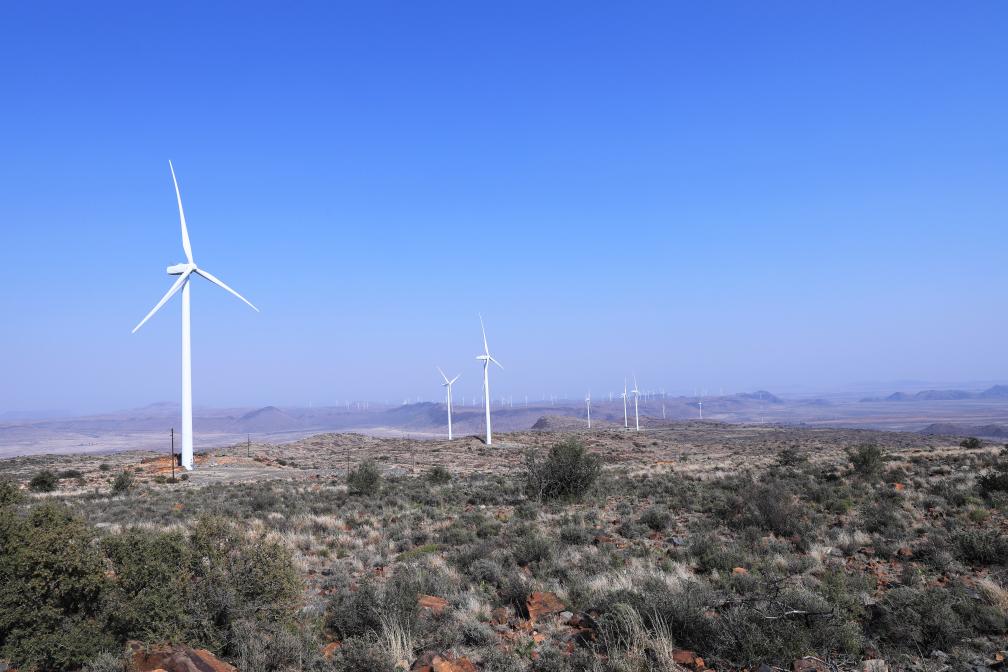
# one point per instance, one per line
(995, 392)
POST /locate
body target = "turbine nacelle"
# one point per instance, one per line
(179, 269)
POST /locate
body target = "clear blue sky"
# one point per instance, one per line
(732, 195)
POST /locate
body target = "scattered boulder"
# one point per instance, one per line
(687, 659)
(436, 605)
(431, 662)
(168, 658)
(808, 665)
(874, 665)
(329, 650)
(540, 604)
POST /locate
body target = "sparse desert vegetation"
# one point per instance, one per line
(699, 546)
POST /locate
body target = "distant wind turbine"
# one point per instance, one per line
(448, 383)
(700, 404)
(486, 358)
(636, 395)
(588, 402)
(184, 272)
(626, 423)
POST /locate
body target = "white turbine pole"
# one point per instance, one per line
(487, 358)
(700, 403)
(588, 402)
(187, 433)
(636, 395)
(486, 399)
(448, 383)
(626, 422)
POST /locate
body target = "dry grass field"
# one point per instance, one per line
(696, 546)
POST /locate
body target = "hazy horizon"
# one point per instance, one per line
(706, 199)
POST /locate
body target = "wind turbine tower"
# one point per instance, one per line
(588, 403)
(487, 358)
(448, 383)
(636, 396)
(626, 424)
(184, 272)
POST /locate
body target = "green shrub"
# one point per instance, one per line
(711, 553)
(44, 481)
(438, 475)
(122, 483)
(971, 443)
(913, 619)
(566, 474)
(993, 481)
(772, 508)
(10, 494)
(791, 457)
(981, 546)
(656, 519)
(365, 479)
(529, 545)
(51, 581)
(151, 594)
(197, 587)
(867, 458)
(363, 654)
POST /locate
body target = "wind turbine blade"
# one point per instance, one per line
(442, 374)
(220, 283)
(496, 362)
(452, 382)
(185, 231)
(486, 348)
(164, 299)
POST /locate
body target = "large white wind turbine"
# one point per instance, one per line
(636, 395)
(588, 403)
(486, 379)
(448, 383)
(184, 272)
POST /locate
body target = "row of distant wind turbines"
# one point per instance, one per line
(186, 270)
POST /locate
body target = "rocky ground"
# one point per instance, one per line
(700, 546)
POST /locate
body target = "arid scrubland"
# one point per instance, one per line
(697, 546)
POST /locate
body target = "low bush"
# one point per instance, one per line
(365, 479)
(981, 546)
(122, 483)
(656, 519)
(51, 582)
(912, 619)
(773, 509)
(44, 481)
(438, 475)
(567, 473)
(993, 481)
(867, 458)
(65, 597)
(791, 457)
(971, 443)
